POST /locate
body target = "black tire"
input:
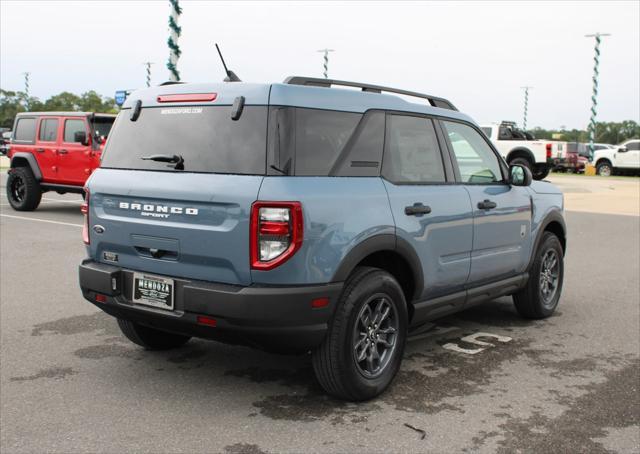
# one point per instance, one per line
(532, 301)
(23, 190)
(604, 169)
(335, 362)
(540, 172)
(150, 338)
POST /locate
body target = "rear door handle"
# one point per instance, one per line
(40, 150)
(487, 204)
(63, 152)
(417, 209)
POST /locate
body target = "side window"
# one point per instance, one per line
(476, 160)
(504, 133)
(49, 129)
(308, 142)
(412, 154)
(633, 146)
(25, 130)
(320, 137)
(70, 129)
(362, 155)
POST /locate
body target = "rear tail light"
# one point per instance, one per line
(84, 209)
(276, 233)
(549, 146)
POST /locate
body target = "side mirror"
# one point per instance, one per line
(520, 175)
(81, 137)
(622, 150)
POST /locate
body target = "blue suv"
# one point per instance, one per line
(301, 217)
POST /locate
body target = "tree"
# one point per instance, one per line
(13, 102)
(606, 132)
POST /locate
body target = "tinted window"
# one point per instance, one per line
(49, 129)
(26, 130)
(71, 127)
(206, 137)
(320, 137)
(102, 126)
(362, 155)
(504, 133)
(476, 160)
(412, 154)
(309, 141)
(633, 146)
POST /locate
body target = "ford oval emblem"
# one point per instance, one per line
(98, 229)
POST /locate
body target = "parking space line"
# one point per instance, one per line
(39, 220)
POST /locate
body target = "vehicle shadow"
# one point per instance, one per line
(284, 386)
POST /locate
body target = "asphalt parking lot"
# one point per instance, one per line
(69, 382)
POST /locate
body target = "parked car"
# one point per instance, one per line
(520, 147)
(53, 151)
(574, 160)
(623, 158)
(302, 217)
(5, 142)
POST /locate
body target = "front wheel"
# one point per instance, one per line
(23, 190)
(604, 169)
(150, 338)
(363, 349)
(539, 298)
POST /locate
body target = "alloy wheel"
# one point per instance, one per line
(549, 276)
(375, 335)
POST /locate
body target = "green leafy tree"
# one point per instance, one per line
(13, 102)
(606, 132)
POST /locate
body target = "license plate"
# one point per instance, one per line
(153, 291)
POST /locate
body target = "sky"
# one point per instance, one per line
(478, 55)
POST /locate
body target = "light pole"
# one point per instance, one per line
(594, 93)
(26, 89)
(172, 42)
(326, 61)
(526, 106)
(148, 65)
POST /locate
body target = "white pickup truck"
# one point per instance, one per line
(621, 158)
(520, 147)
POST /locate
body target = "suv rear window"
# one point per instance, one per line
(206, 137)
(25, 130)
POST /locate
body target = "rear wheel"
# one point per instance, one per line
(540, 172)
(23, 190)
(604, 169)
(364, 345)
(150, 338)
(539, 298)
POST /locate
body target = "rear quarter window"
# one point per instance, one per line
(25, 130)
(315, 142)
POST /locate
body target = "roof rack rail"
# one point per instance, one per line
(327, 83)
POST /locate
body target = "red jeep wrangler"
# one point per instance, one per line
(53, 151)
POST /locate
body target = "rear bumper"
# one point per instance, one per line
(273, 318)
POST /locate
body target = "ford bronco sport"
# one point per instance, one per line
(300, 217)
(53, 151)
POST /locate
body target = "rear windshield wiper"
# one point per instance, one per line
(174, 159)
